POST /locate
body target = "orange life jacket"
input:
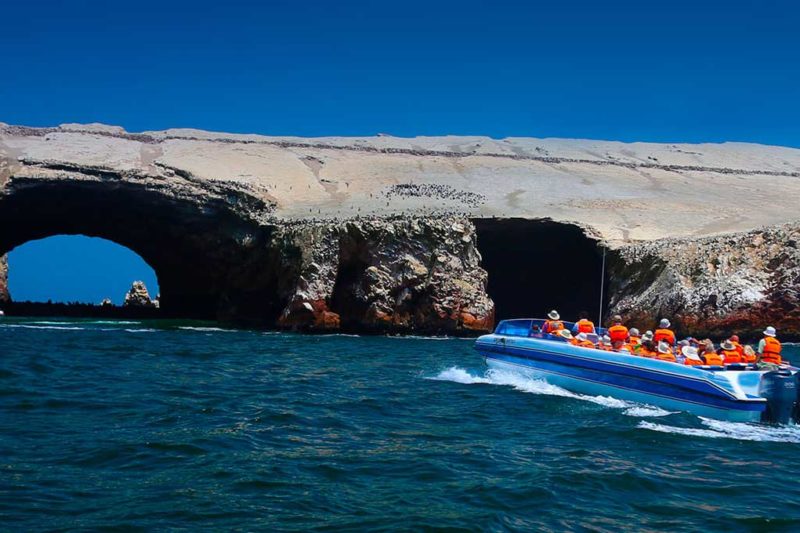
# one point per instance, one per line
(692, 362)
(618, 333)
(732, 356)
(605, 347)
(635, 341)
(712, 358)
(772, 351)
(552, 326)
(586, 344)
(644, 351)
(666, 356)
(749, 358)
(585, 326)
(626, 348)
(664, 335)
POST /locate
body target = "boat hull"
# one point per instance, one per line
(594, 372)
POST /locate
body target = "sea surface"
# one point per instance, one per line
(184, 426)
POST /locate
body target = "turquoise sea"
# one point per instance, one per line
(147, 426)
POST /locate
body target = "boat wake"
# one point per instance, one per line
(718, 429)
(535, 386)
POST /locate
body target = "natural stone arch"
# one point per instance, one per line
(199, 246)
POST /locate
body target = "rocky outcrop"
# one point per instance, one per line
(397, 275)
(379, 233)
(715, 285)
(137, 296)
(4, 296)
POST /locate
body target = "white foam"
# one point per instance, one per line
(140, 330)
(203, 328)
(536, 386)
(31, 326)
(719, 429)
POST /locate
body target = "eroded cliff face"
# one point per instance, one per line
(398, 275)
(715, 285)
(4, 297)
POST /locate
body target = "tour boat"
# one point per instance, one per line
(739, 393)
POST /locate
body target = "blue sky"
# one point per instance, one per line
(651, 71)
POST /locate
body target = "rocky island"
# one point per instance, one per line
(426, 234)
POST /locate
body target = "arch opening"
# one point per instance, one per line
(537, 265)
(209, 258)
(76, 274)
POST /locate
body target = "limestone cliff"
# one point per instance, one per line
(4, 296)
(715, 285)
(436, 234)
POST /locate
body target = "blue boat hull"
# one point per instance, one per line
(720, 395)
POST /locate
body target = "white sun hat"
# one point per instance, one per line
(553, 315)
(770, 331)
(664, 323)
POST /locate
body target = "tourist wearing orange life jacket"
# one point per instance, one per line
(730, 354)
(567, 336)
(584, 342)
(769, 348)
(712, 358)
(553, 324)
(634, 338)
(737, 345)
(617, 331)
(647, 348)
(622, 347)
(749, 354)
(664, 352)
(663, 333)
(690, 356)
(584, 325)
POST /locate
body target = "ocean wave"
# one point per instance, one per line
(52, 327)
(720, 429)
(536, 386)
(204, 328)
(139, 330)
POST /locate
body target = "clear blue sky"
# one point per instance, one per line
(681, 70)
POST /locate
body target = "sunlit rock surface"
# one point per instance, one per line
(339, 233)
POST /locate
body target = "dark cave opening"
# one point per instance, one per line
(538, 265)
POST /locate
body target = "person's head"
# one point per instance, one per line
(690, 352)
(582, 336)
(583, 315)
(553, 315)
(565, 334)
(616, 319)
(734, 338)
(664, 323)
(633, 332)
(648, 336)
(727, 345)
(606, 339)
(683, 343)
(663, 347)
(770, 331)
(618, 345)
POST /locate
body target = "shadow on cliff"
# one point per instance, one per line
(208, 259)
(538, 265)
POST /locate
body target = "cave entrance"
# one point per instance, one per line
(79, 275)
(538, 265)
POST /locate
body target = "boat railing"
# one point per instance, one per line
(529, 327)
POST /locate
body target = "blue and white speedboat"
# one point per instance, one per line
(738, 393)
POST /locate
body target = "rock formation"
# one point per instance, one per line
(137, 296)
(390, 234)
(4, 296)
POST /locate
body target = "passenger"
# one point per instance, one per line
(664, 352)
(749, 354)
(706, 345)
(647, 347)
(663, 333)
(769, 348)
(554, 324)
(567, 336)
(730, 354)
(690, 356)
(584, 342)
(617, 331)
(605, 343)
(634, 338)
(622, 347)
(584, 325)
(712, 358)
(737, 345)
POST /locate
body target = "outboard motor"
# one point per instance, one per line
(779, 387)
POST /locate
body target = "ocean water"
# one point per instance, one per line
(169, 425)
